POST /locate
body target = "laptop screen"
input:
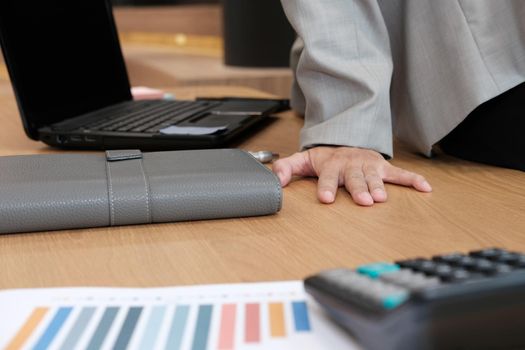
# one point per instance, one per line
(64, 58)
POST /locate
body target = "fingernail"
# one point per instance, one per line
(328, 197)
(379, 191)
(366, 199)
(379, 194)
(426, 186)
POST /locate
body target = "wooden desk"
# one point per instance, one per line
(472, 206)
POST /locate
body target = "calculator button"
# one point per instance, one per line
(410, 279)
(502, 268)
(460, 275)
(428, 267)
(443, 268)
(394, 300)
(392, 296)
(519, 262)
(490, 253)
(443, 271)
(457, 275)
(467, 262)
(362, 289)
(508, 258)
(483, 266)
(451, 258)
(411, 263)
(377, 269)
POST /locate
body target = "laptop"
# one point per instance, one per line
(70, 80)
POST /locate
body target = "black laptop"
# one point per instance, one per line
(72, 88)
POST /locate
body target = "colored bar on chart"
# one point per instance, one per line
(152, 328)
(227, 328)
(300, 315)
(127, 328)
(276, 315)
(78, 328)
(202, 330)
(178, 326)
(53, 328)
(103, 328)
(27, 329)
(252, 326)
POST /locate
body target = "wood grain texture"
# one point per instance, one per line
(472, 206)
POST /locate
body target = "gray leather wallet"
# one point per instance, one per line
(125, 187)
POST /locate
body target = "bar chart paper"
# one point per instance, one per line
(276, 315)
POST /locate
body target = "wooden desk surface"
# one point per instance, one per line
(472, 206)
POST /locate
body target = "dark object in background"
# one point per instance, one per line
(96, 110)
(492, 133)
(161, 2)
(256, 34)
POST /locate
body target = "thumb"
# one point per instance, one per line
(297, 164)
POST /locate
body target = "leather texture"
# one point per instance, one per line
(128, 188)
(66, 191)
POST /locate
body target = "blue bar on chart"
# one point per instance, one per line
(53, 328)
(127, 328)
(202, 330)
(149, 339)
(103, 328)
(78, 328)
(182, 330)
(300, 315)
(178, 326)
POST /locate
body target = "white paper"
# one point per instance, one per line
(191, 130)
(18, 305)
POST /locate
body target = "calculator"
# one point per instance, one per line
(450, 301)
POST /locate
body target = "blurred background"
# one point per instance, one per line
(169, 43)
(162, 2)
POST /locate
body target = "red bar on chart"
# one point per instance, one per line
(252, 326)
(227, 328)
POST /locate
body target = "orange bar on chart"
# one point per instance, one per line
(27, 329)
(276, 311)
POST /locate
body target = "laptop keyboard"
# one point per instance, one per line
(150, 117)
(145, 116)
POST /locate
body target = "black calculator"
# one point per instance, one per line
(451, 301)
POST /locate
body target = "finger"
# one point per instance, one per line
(328, 182)
(297, 164)
(355, 184)
(404, 177)
(375, 184)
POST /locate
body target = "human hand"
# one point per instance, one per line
(363, 173)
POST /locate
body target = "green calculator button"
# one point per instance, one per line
(394, 300)
(377, 269)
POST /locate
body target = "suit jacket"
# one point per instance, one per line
(418, 67)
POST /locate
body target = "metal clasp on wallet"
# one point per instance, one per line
(265, 156)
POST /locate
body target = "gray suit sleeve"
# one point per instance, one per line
(343, 73)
